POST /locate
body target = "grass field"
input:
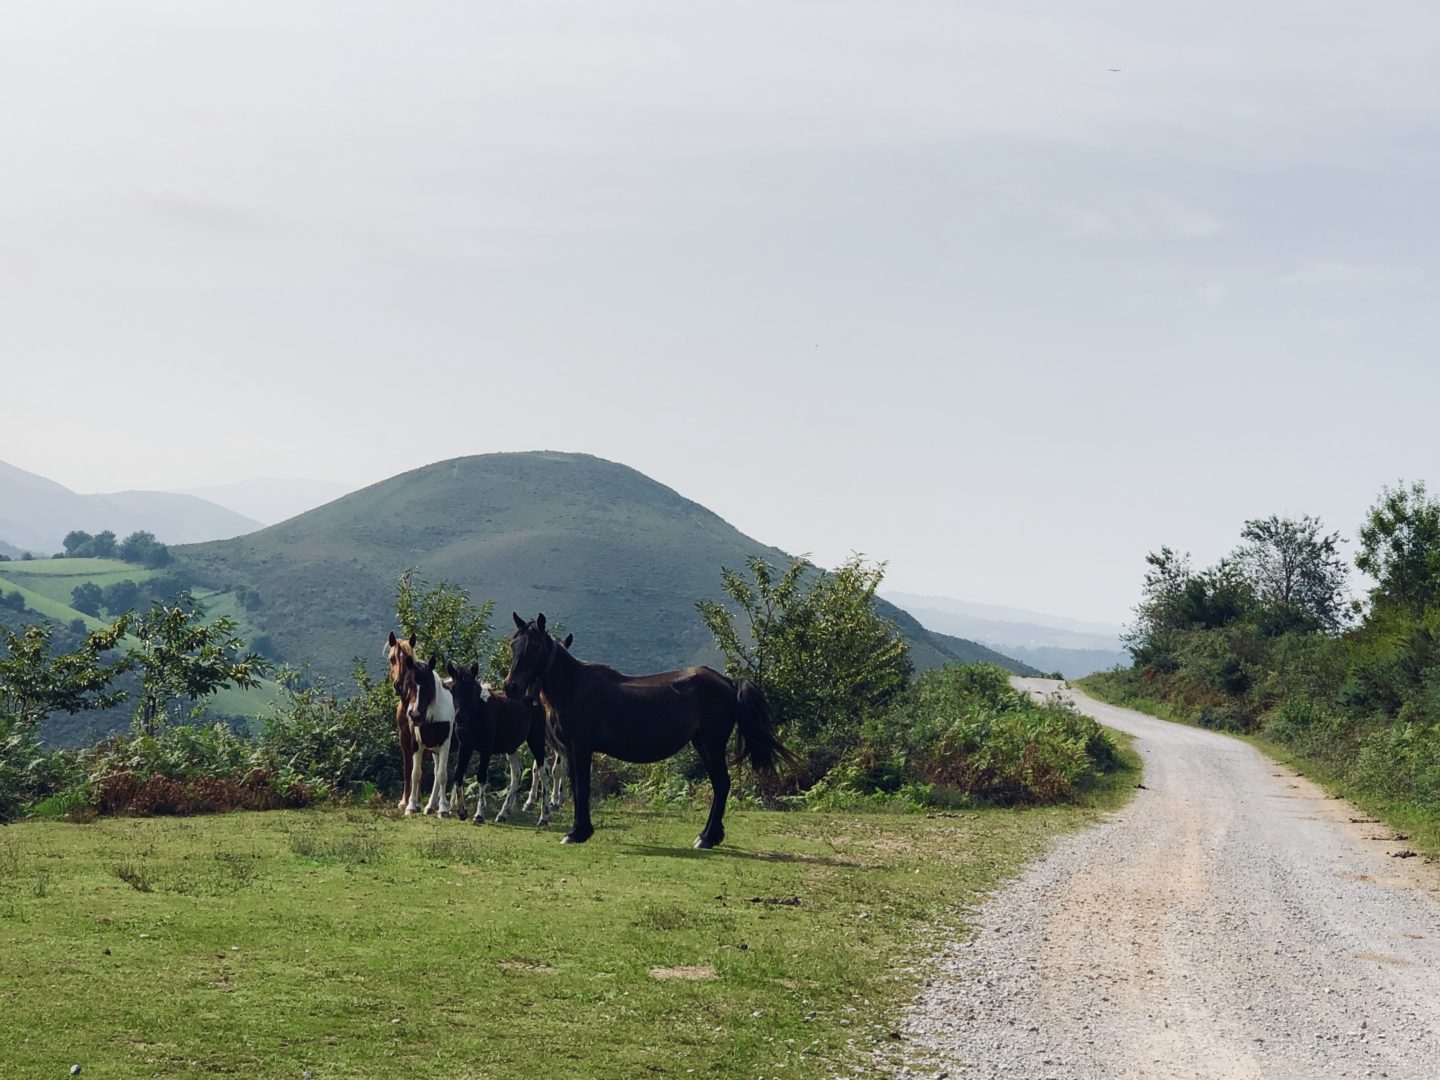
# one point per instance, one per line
(353, 943)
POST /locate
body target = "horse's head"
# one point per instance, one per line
(418, 686)
(397, 652)
(467, 690)
(532, 651)
(532, 692)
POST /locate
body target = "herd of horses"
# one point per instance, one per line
(565, 711)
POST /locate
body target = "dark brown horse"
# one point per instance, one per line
(644, 718)
(488, 723)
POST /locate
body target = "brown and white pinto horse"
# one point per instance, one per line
(427, 718)
(397, 652)
(642, 718)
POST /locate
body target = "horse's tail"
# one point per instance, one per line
(757, 739)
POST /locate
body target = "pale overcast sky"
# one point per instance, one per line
(926, 280)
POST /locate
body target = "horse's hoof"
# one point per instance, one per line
(443, 814)
(704, 844)
(402, 805)
(411, 810)
(477, 820)
(527, 807)
(502, 820)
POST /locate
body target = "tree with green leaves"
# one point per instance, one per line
(35, 683)
(120, 596)
(1400, 548)
(142, 547)
(1296, 572)
(815, 644)
(87, 598)
(179, 655)
(446, 624)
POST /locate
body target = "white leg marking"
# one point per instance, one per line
(417, 769)
(442, 774)
(504, 814)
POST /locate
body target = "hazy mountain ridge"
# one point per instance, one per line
(1074, 647)
(36, 513)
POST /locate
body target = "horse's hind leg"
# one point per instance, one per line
(712, 756)
(504, 814)
(582, 829)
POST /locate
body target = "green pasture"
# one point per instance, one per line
(357, 943)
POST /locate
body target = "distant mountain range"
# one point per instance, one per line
(1049, 642)
(269, 500)
(36, 513)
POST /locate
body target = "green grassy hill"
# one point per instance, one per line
(619, 558)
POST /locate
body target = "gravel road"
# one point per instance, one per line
(1232, 921)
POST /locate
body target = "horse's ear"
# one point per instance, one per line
(519, 622)
(412, 641)
(451, 669)
(433, 661)
(569, 640)
(540, 621)
(392, 642)
(475, 669)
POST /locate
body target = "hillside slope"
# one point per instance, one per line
(618, 557)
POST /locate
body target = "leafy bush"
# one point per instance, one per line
(963, 734)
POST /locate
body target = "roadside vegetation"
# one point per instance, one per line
(1267, 644)
(867, 732)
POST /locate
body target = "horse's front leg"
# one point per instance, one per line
(457, 780)
(537, 788)
(483, 776)
(442, 769)
(542, 772)
(557, 781)
(417, 768)
(582, 829)
(504, 814)
(402, 730)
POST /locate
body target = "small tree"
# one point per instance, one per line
(120, 596)
(814, 643)
(1400, 548)
(76, 542)
(34, 683)
(443, 619)
(1296, 572)
(87, 598)
(142, 547)
(104, 546)
(179, 655)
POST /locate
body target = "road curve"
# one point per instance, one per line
(1232, 921)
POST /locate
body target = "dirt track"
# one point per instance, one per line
(1232, 921)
